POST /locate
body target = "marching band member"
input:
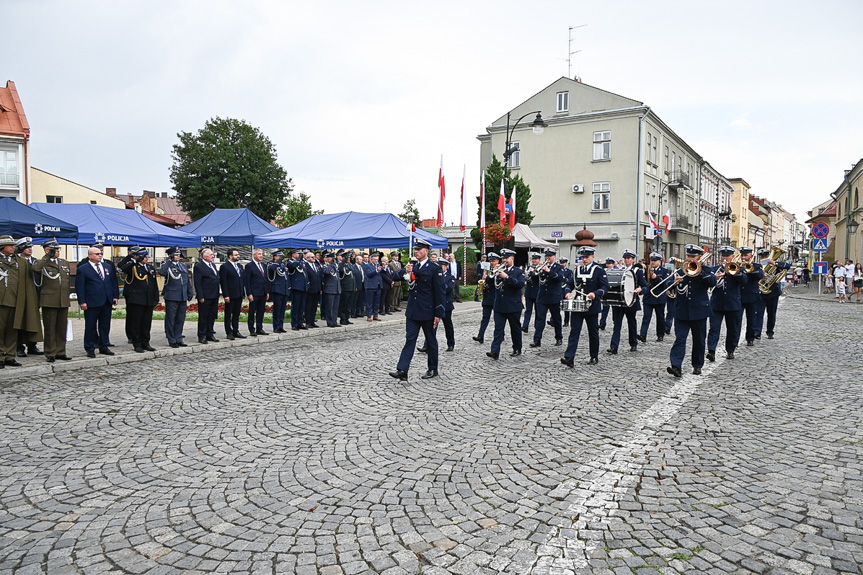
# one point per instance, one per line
(692, 310)
(450, 285)
(54, 299)
(567, 280)
(590, 280)
(609, 265)
(177, 292)
(619, 312)
(531, 290)
(425, 308)
(489, 293)
(548, 299)
(507, 305)
(725, 302)
(654, 305)
(332, 289)
(769, 301)
(280, 289)
(750, 294)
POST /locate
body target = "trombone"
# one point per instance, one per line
(689, 269)
(732, 267)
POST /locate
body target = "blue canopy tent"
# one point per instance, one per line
(347, 230)
(19, 220)
(115, 226)
(229, 227)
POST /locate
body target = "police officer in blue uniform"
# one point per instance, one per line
(332, 289)
(725, 303)
(568, 279)
(548, 299)
(177, 292)
(693, 309)
(770, 300)
(589, 281)
(425, 308)
(618, 312)
(531, 290)
(280, 289)
(750, 295)
(655, 305)
(489, 293)
(299, 284)
(450, 286)
(609, 265)
(509, 281)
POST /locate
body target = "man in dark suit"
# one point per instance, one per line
(258, 291)
(386, 285)
(141, 294)
(313, 289)
(331, 288)
(360, 286)
(97, 290)
(590, 282)
(509, 282)
(280, 289)
(231, 282)
(177, 292)
(206, 279)
(299, 283)
(374, 282)
(691, 313)
(425, 308)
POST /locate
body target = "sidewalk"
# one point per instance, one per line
(34, 366)
(811, 293)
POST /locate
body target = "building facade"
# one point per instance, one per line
(14, 146)
(849, 245)
(715, 201)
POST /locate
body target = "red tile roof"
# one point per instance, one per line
(13, 122)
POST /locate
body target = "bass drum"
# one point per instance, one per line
(621, 288)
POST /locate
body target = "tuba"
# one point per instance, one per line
(772, 273)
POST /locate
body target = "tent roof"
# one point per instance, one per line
(229, 227)
(525, 238)
(19, 220)
(116, 226)
(347, 230)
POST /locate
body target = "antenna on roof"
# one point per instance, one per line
(570, 53)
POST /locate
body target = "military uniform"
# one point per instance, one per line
(609, 265)
(19, 309)
(177, 293)
(568, 278)
(548, 301)
(280, 290)
(507, 307)
(531, 290)
(450, 285)
(299, 283)
(396, 297)
(655, 305)
(347, 279)
(750, 295)
(692, 311)
(331, 287)
(725, 303)
(24, 250)
(619, 312)
(589, 278)
(142, 295)
(54, 277)
(489, 293)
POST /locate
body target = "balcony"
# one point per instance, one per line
(679, 179)
(680, 222)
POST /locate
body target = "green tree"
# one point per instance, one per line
(228, 164)
(493, 177)
(297, 208)
(410, 213)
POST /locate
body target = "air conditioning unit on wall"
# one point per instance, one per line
(577, 189)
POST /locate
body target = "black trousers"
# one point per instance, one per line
(208, 310)
(346, 305)
(257, 308)
(139, 321)
(486, 317)
(500, 321)
(312, 300)
(279, 301)
(232, 315)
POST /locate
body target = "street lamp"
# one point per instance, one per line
(853, 224)
(538, 126)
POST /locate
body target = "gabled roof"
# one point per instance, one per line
(13, 122)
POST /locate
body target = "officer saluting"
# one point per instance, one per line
(692, 310)
(509, 281)
(54, 276)
(425, 308)
(299, 283)
(280, 289)
(142, 295)
(591, 282)
(177, 293)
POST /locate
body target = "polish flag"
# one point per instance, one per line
(442, 187)
(512, 213)
(653, 224)
(501, 205)
(463, 201)
(482, 203)
(666, 219)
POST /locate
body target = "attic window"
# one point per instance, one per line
(563, 101)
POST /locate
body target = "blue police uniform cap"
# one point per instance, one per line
(142, 252)
(629, 254)
(564, 259)
(98, 246)
(550, 252)
(763, 252)
(655, 256)
(507, 253)
(276, 253)
(493, 256)
(586, 251)
(745, 250)
(726, 251)
(535, 256)
(173, 250)
(610, 260)
(693, 250)
(421, 243)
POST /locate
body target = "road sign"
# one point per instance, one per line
(657, 243)
(820, 230)
(819, 245)
(820, 268)
(557, 234)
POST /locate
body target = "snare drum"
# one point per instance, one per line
(575, 305)
(621, 288)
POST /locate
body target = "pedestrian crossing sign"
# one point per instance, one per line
(819, 245)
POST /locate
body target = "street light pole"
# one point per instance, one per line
(538, 125)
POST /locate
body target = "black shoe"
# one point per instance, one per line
(110, 344)
(262, 332)
(535, 344)
(566, 324)
(633, 348)
(238, 335)
(593, 361)
(399, 374)
(696, 371)
(602, 327)
(711, 356)
(478, 339)
(612, 350)
(230, 337)
(303, 327)
(174, 345)
(422, 349)
(342, 322)
(429, 374)
(34, 351)
(212, 338)
(21, 353)
(750, 343)
(202, 340)
(181, 344)
(729, 355)
(675, 371)
(349, 322)
(641, 338)
(758, 336)
(91, 354)
(450, 347)
(332, 325)
(148, 347)
(139, 349)
(558, 342)
(492, 354)
(769, 336)
(313, 325)
(525, 329)
(253, 334)
(668, 332)
(660, 338)
(515, 353)
(293, 329)
(567, 361)
(12, 362)
(106, 351)
(549, 322)
(49, 358)
(63, 357)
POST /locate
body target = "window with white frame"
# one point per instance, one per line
(563, 101)
(601, 196)
(666, 160)
(655, 157)
(647, 152)
(515, 158)
(9, 166)
(601, 146)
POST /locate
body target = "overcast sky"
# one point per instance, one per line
(362, 98)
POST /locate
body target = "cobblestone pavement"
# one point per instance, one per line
(304, 456)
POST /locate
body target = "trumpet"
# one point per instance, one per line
(689, 269)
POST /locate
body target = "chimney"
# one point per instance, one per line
(111, 192)
(164, 194)
(150, 194)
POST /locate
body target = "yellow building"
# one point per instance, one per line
(740, 212)
(849, 208)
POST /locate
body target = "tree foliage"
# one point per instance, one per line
(410, 213)
(297, 208)
(493, 177)
(228, 164)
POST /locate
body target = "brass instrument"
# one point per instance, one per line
(689, 268)
(732, 268)
(748, 267)
(772, 273)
